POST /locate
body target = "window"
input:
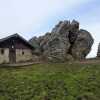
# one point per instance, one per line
(2, 51)
(22, 52)
(12, 47)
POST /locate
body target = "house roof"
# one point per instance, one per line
(18, 36)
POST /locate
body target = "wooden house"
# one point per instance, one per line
(15, 49)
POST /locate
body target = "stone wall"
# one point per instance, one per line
(4, 55)
(23, 55)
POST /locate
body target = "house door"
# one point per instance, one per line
(12, 55)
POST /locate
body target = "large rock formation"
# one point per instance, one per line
(98, 53)
(65, 42)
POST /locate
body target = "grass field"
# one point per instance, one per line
(64, 81)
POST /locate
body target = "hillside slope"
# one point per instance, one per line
(65, 81)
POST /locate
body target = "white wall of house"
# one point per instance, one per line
(4, 55)
(23, 55)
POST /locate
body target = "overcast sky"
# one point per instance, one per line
(36, 17)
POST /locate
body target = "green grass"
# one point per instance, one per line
(64, 81)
